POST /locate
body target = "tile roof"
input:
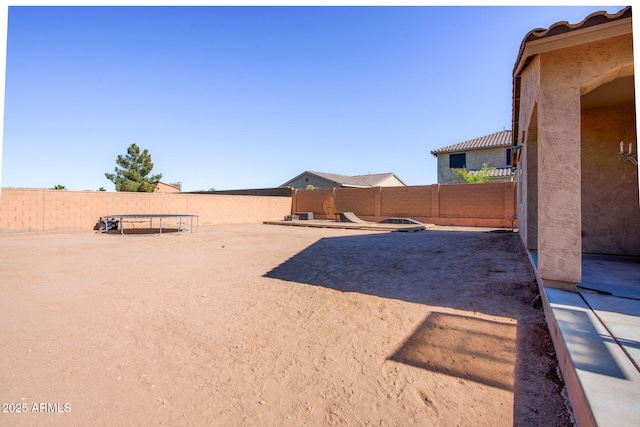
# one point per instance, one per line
(561, 27)
(369, 180)
(497, 139)
(596, 18)
(501, 172)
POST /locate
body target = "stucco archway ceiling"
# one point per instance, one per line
(618, 91)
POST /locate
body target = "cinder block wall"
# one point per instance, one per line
(474, 205)
(360, 200)
(407, 201)
(24, 210)
(309, 201)
(477, 205)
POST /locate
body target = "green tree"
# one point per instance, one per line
(474, 177)
(101, 189)
(59, 187)
(310, 187)
(133, 171)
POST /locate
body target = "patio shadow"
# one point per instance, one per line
(484, 274)
(458, 346)
(586, 344)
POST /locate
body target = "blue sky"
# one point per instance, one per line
(250, 97)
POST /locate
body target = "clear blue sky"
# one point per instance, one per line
(250, 97)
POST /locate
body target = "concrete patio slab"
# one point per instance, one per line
(603, 383)
(596, 332)
(375, 226)
(618, 276)
(620, 316)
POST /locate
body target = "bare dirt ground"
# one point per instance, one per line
(263, 325)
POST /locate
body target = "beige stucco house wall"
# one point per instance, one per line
(574, 102)
(319, 182)
(323, 180)
(493, 157)
(493, 150)
(390, 181)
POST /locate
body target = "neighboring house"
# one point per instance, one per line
(494, 150)
(331, 180)
(573, 104)
(161, 187)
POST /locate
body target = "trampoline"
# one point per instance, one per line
(111, 222)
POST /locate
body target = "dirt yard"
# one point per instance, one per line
(264, 325)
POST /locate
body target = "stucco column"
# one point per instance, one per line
(559, 187)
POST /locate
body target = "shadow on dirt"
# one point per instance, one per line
(486, 273)
(143, 231)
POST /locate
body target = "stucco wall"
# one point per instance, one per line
(610, 213)
(530, 226)
(554, 82)
(305, 180)
(24, 210)
(494, 157)
(392, 181)
(528, 166)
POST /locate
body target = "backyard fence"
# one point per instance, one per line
(476, 205)
(61, 210)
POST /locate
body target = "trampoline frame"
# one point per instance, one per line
(179, 219)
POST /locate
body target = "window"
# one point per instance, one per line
(508, 156)
(458, 161)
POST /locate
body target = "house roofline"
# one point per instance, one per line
(596, 26)
(435, 153)
(467, 145)
(309, 173)
(345, 184)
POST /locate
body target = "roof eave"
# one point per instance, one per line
(309, 173)
(464, 150)
(398, 178)
(571, 38)
(559, 36)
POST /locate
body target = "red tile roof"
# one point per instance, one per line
(500, 172)
(561, 27)
(497, 139)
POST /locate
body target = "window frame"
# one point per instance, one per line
(454, 160)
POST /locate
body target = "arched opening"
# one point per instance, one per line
(610, 217)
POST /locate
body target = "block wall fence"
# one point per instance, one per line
(24, 210)
(472, 205)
